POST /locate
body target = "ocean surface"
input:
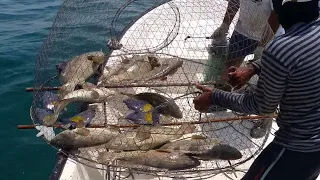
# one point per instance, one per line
(28, 58)
(24, 25)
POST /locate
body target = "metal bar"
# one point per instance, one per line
(164, 124)
(61, 160)
(127, 86)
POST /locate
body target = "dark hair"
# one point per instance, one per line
(293, 12)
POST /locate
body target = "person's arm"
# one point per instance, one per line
(270, 88)
(270, 29)
(232, 9)
(256, 65)
(273, 21)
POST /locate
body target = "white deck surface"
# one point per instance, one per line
(198, 18)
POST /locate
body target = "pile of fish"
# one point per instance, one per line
(75, 88)
(150, 144)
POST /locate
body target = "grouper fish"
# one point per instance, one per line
(83, 137)
(129, 69)
(151, 158)
(203, 148)
(148, 137)
(168, 68)
(78, 70)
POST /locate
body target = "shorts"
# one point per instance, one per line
(240, 46)
(278, 163)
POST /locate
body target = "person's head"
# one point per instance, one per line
(291, 12)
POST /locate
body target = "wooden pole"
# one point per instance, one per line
(164, 124)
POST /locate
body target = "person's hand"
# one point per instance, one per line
(238, 76)
(221, 31)
(203, 102)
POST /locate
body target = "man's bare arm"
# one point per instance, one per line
(270, 29)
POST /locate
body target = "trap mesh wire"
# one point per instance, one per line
(135, 31)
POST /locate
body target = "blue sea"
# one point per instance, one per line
(81, 26)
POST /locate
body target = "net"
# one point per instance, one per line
(114, 88)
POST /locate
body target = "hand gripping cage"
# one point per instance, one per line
(168, 42)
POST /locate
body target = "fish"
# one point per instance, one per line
(143, 112)
(152, 158)
(78, 70)
(92, 95)
(168, 68)
(83, 119)
(205, 149)
(41, 115)
(83, 137)
(147, 137)
(49, 100)
(165, 106)
(130, 68)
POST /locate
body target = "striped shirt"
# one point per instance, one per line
(290, 76)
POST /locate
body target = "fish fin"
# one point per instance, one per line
(82, 131)
(198, 137)
(143, 133)
(96, 59)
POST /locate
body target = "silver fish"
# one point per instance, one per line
(168, 68)
(151, 158)
(203, 148)
(129, 69)
(83, 137)
(92, 95)
(78, 69)
(147, 137)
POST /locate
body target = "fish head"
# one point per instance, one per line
(154, 61)
(96, 57)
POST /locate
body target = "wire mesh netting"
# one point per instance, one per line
(115, 87)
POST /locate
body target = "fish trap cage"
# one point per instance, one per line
(114, 88)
